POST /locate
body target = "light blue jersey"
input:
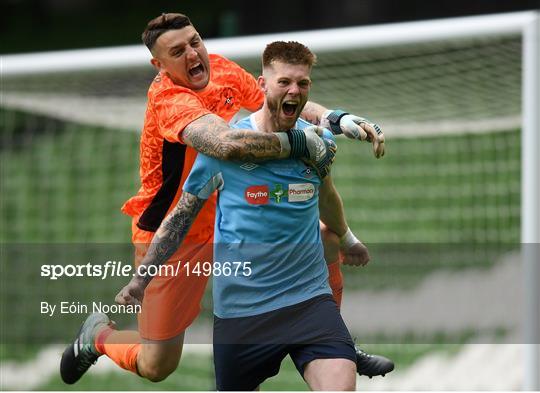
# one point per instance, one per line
(267, 215)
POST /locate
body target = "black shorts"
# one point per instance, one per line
(249, 350)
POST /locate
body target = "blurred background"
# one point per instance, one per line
(39, 25)
(440, 212)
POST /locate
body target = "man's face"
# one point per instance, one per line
(181, 54)
(286, 88)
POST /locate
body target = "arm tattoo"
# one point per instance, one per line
(172, 231)
(210, 135)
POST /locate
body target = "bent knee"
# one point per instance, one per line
(158, 359)
(158, 368)
(157, 373)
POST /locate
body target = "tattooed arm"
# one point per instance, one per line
(166, 241)
(212, 136)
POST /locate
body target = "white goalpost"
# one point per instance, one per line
(468, 78)
(530, 197)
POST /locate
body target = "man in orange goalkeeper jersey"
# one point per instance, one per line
(190, 102)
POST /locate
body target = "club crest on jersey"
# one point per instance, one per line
(308, 173)
(227, 96)
(257, 195)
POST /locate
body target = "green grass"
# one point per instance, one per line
(196, 372)
(17, 352)
(63, 182)
(448, 202)
(447, 189)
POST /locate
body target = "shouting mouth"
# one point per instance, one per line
(196, 70)
(289, 108)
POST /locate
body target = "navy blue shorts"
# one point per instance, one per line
(249, 350)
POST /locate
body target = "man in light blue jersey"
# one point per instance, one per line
(271, 292)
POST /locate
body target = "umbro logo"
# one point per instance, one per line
(229, 100)
(248, 166)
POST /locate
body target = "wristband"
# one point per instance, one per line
(297, 141)
(348, 239)
(285, 144)
(334, 118)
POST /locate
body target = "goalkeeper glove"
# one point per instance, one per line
(355, 127)
(308, 145)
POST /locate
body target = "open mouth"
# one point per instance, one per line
(196, 70)
(289, 108)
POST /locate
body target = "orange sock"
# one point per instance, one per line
(335, 280)
(121, 346)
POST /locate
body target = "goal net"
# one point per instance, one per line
(451, 110)
(446, 197)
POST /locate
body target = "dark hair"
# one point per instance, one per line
(291, 52)
(160, 25)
